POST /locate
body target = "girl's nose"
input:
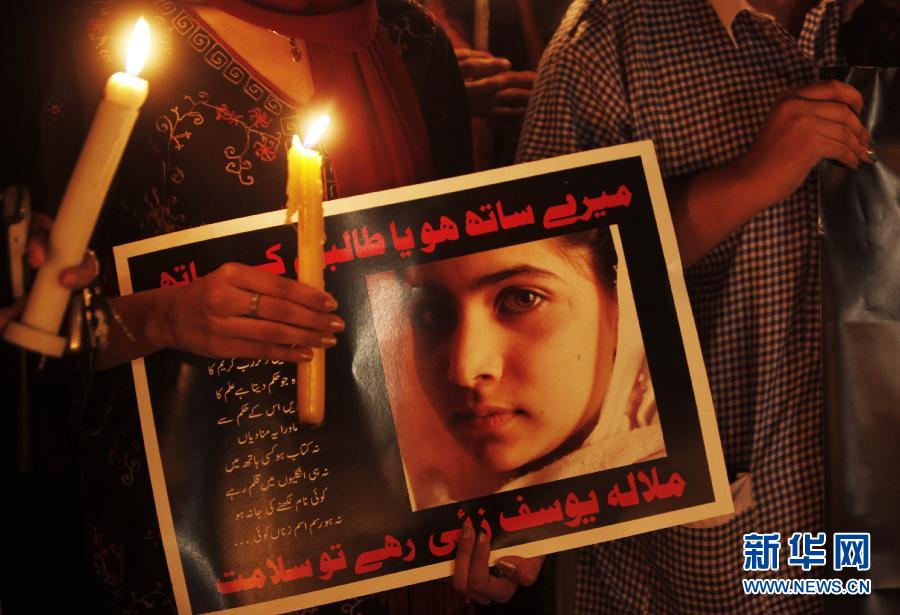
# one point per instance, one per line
(475, 353)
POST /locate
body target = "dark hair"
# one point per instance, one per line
(603, 253)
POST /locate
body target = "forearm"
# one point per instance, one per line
(140, 328)
(709, 206)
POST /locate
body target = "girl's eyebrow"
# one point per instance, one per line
(503, 274)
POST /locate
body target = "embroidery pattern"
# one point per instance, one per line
(52, 108)
(161, 213)
(405, 31)
(264, 145)
(111, 565)
(125, 456)
(217, 56)
(98, 31)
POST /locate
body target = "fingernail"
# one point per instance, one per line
(503, 569)
(328, 341)
(68, 279)
(329, 303)
(304, 356)
(336, 324)
(482, 538)
(467, 529)
(508, 568)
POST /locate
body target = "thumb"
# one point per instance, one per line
(38, 235)
(11, 312)
(522, 570)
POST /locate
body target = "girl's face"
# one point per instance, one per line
(514, 347)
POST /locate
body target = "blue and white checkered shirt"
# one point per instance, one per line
(699, 80)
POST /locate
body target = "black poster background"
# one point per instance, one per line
(366, 496)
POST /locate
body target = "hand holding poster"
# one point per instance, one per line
(519, 353)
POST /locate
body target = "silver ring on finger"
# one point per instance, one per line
(254, 305)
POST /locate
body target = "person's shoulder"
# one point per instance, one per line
(585, 25)
(586, 21)
(412, 29)
(405, 15)
(592, 27)
(584, 16)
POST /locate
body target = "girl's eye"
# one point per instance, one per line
(433, 316)
(519, 300)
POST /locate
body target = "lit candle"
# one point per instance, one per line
(84, 196)
(304, 192)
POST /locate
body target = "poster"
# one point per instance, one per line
(519, 352)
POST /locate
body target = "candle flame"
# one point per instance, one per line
(138, 47)
(295, 143)
(316, 131)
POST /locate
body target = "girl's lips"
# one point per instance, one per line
(485, 420)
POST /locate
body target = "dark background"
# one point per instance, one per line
(44, 564)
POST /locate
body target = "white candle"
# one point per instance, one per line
(84, 196)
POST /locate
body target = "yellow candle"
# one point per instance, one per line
(304, 192)
(84, 196)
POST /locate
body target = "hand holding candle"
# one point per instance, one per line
(80, 207)
(304, 192)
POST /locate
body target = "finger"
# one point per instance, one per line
(236, 347)
(838, 151)
(487, 86)
(40, 222)
(11, 312)
(256, 281)
(482, 584)
(277, 309)
(522, 570)
(39, 227)
(512, 97)
(463, 556)
(271, 332)
(36, 252)
(483, 66)
(845, 137)
(465, 52)
(81, 275)
(507, 114)
(835, 91)
(840, 113)
(227, 301)
(482, 600)
(495, 83)
(522, 79)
